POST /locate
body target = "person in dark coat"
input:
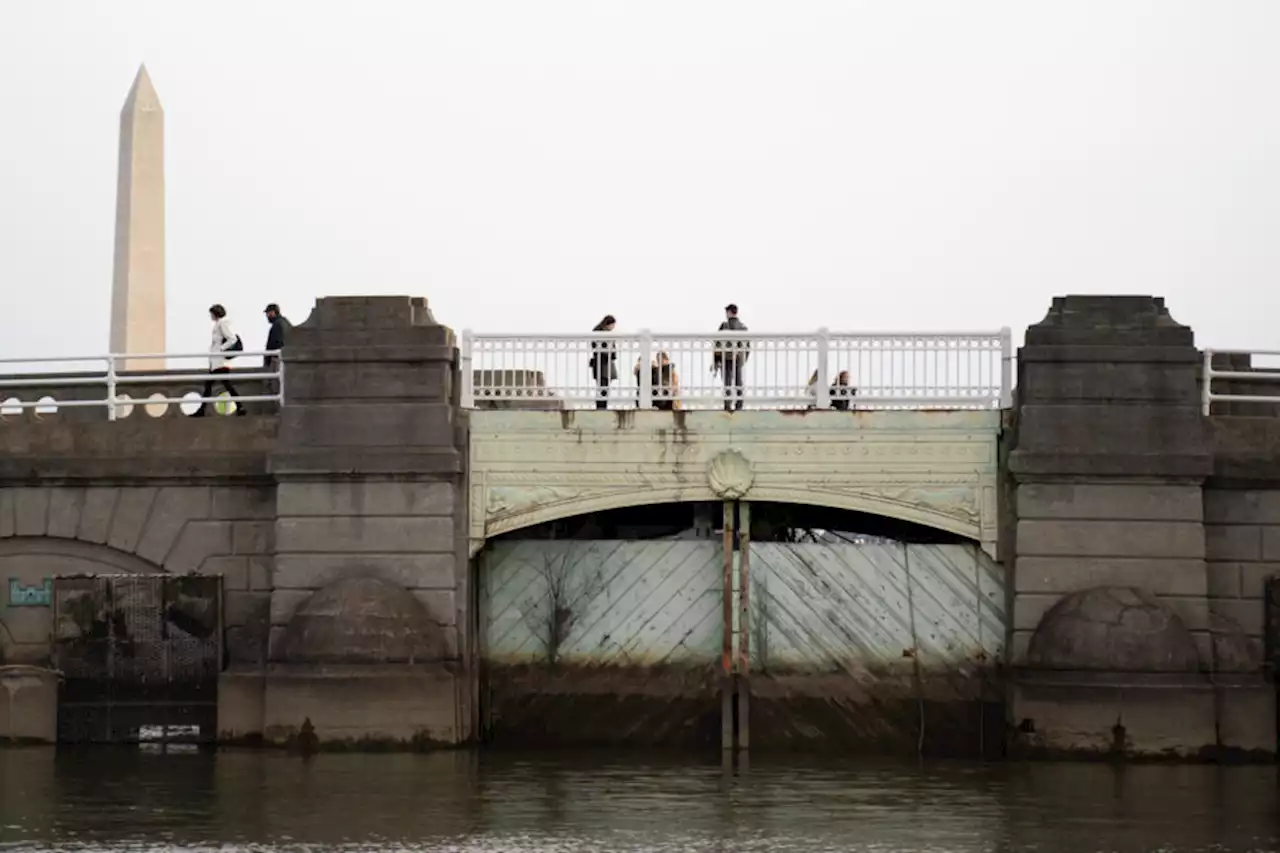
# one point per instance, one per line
(275, 343)
(729, 358)
(603, 357)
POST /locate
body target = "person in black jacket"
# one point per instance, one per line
(729, 357)
(275, 343)
(603, 357)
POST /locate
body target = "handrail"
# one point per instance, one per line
(114, 381)
(816, 369)
(1254, 374)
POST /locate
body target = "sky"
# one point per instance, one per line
(530, 166)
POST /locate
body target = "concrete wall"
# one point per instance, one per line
(1242, 536)
(339, 527)
(369, 639)
(136, 496)
(939, 469)
(72, 530)
(1132, 632)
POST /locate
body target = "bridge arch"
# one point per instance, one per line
(30, 561)
(948, 514)
(936, 469)
(25, 557)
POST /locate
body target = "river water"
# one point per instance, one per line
(485, 802)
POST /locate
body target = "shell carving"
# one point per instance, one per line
(730, 475)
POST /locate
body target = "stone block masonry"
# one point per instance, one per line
(399, 532)
(369, 536)
(1135, 630)
(180, 529)
(1242, 533)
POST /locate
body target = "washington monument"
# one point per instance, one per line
(137, 286)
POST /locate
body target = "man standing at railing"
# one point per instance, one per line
(729, 358)
(275, 343)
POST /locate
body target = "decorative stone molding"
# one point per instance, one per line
(933, 468)
(730, 475)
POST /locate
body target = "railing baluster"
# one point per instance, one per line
(823, 389)
(1006, 368)
(111, 388)
(1206, 383)
(467, 395)
(643, 361)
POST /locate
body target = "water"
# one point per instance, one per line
(243, 802)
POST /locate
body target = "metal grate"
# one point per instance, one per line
(140, 656)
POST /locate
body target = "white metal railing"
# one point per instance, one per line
(108, 372)
(1252, 372)
(903, 370)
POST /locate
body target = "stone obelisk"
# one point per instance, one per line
(137, 287)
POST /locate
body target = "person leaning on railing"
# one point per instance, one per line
(664, 383)
(223, 345)
(841, 393)
(603, 360)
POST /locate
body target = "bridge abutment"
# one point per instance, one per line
(1114, 640)
(367, 611)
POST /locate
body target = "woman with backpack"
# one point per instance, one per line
(223, 345)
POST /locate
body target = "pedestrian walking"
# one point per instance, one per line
(278, 325)
(223, 345)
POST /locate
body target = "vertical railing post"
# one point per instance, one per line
(468, 396)
(822, 388)
(280, 379)
(1206, 383)
(111, 387)
(646, 374)
(744, 624)
(1006, 368)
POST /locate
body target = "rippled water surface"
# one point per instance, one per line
(244, 801)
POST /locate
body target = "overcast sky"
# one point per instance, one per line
(533, 165)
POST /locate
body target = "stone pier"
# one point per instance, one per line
(1136, 628)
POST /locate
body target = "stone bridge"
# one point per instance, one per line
(1100, 548)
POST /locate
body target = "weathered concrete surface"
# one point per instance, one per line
(1112, 629)
(348, 707)
(28, 704)
(671, 707)
(370, 531)
(1108, 456)
(134, 529)
(933, 468)
(362, 620)
(1130, 630)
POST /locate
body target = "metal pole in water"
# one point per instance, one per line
(744, 624)
(726, 662)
